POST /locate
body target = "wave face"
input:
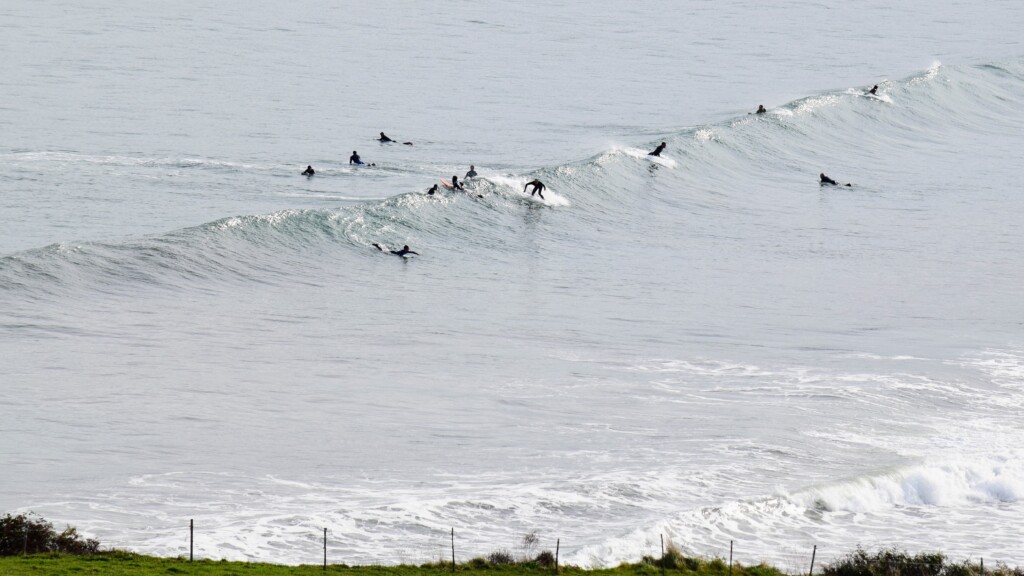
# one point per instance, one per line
(708, 346)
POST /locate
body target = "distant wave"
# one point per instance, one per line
(716, 165)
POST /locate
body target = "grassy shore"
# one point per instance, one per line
(128, 564)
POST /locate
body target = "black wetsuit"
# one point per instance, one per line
(760, 110)
(455, 183)
(874, 90)
(432, 190)
(827, 180)
(657, 151)
(308, 171)
(354, 158)
(384, 138)
(471, 173)
(405, 250)
(538, 188)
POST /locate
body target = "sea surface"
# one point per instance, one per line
(709, 347)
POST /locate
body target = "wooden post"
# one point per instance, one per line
(730, 557)
(325, 549)
(982, 567)
(453, 549)
(813, 554)
(558, 544)
(662, 560)
(191, 537)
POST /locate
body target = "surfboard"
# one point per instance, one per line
(662, 160)
(447, 184)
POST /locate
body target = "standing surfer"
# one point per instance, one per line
(657, 151)
(538, 188)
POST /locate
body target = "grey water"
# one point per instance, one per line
(710, 347)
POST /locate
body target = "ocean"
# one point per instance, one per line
(709, 347)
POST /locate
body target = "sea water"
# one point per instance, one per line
(709, 348)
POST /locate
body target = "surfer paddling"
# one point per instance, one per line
(538, 188)
(456, 185)
(308, 171)
(826, 180)
(384, 138)
(405, 250)
(657, 151)
(760, 109)
(874, 91)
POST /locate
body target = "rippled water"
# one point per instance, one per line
(710, 347)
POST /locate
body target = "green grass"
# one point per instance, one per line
(128, 564)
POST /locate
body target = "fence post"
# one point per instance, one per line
(662, 560)
(730, 557)
(982, 567)
(453, 549)
(191, 537)
(813, 554)
(558, 545)
(325, 549)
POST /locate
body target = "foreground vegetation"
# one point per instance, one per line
(30, 546)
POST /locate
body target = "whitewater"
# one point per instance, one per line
(708, 347)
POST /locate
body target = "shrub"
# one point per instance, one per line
(545, 559)
(30, 534)
(500, 557)
(893, 562)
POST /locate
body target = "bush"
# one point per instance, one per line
(894, 562)
(545, 559)
(501, 557)
(30, 534)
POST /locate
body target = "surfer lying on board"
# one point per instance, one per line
(456, 185)
(405, 250)
(657, 151)
(384, 138)
(538, 188)
(874, 91)
(826, 180)
(308, 171)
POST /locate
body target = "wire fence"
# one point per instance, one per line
(444, 548)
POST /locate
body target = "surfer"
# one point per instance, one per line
(456, 185)
(384, 138)
(760, 109)
(874, 91)
(405, 250)
(354, 158)
(538, 187)
(826, 180)
(472, 172)
(432, 190)
(308, 171)
(657, 151)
